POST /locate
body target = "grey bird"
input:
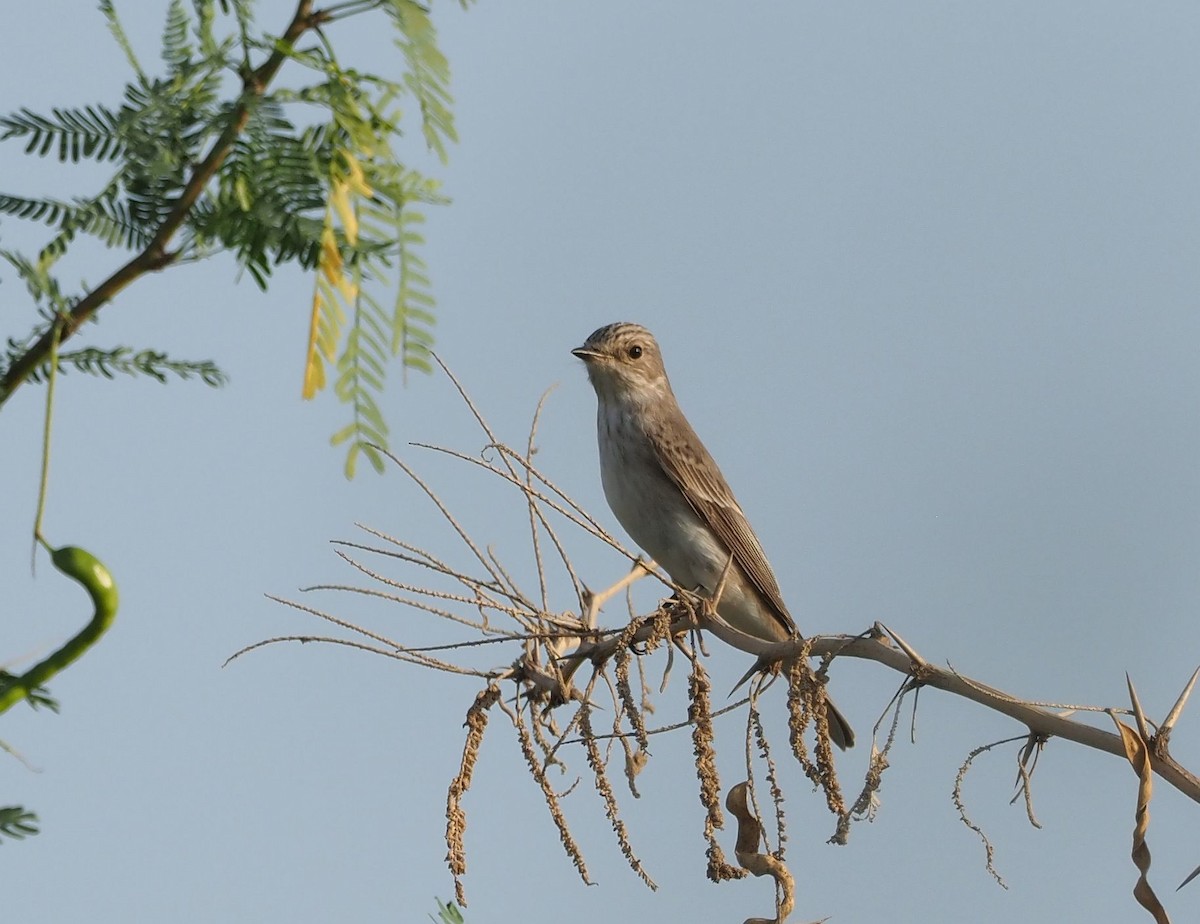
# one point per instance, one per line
(669, 495)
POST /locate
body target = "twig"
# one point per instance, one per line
(989, 850)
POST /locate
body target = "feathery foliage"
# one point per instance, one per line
(152, 363)
(207, 157)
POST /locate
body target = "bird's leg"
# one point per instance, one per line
(709, 602)
(716, 596)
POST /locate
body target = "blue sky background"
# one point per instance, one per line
(925, 277)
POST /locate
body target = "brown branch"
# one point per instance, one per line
(156, 256)
(1041, 721)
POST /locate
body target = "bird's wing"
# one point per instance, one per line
(688, 463)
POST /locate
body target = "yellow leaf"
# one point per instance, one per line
(331, 257)
(314, 369)
(356, 179)
(339, 198)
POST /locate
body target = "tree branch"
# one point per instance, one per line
(156, 256)
(1041, 721)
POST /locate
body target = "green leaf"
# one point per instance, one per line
(177, 50)
(428, 76)
(118, 33)
(17, 823)
(343, 434)
(448, 914)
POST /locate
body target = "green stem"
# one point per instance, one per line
(45, 480)
(100, 586)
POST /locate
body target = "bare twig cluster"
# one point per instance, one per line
(550, 711)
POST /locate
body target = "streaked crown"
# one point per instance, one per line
(622, 357)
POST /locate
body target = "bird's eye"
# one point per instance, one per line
(635, 352)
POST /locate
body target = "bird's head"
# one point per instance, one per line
(624, 362)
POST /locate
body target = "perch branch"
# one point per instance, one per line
(1039, 720)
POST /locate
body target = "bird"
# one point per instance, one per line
(669, 495)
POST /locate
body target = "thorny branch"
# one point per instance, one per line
(535, 688)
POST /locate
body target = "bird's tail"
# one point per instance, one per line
(840, 732)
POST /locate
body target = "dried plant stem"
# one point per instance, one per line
(624, 690)
(497, 577)
(604, 787)
(538, 772)
(959, 779)
(754, 727)
(700, 712)
(456, 818)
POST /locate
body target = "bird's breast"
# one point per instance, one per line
(650, 506)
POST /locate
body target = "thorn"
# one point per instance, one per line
(1177, 709)
(587, 603)
(911, 652)
(1138, 713)
(760, 667)
(755, 668)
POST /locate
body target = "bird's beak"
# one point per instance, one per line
(585, 354)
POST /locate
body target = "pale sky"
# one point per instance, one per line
(925, 279)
